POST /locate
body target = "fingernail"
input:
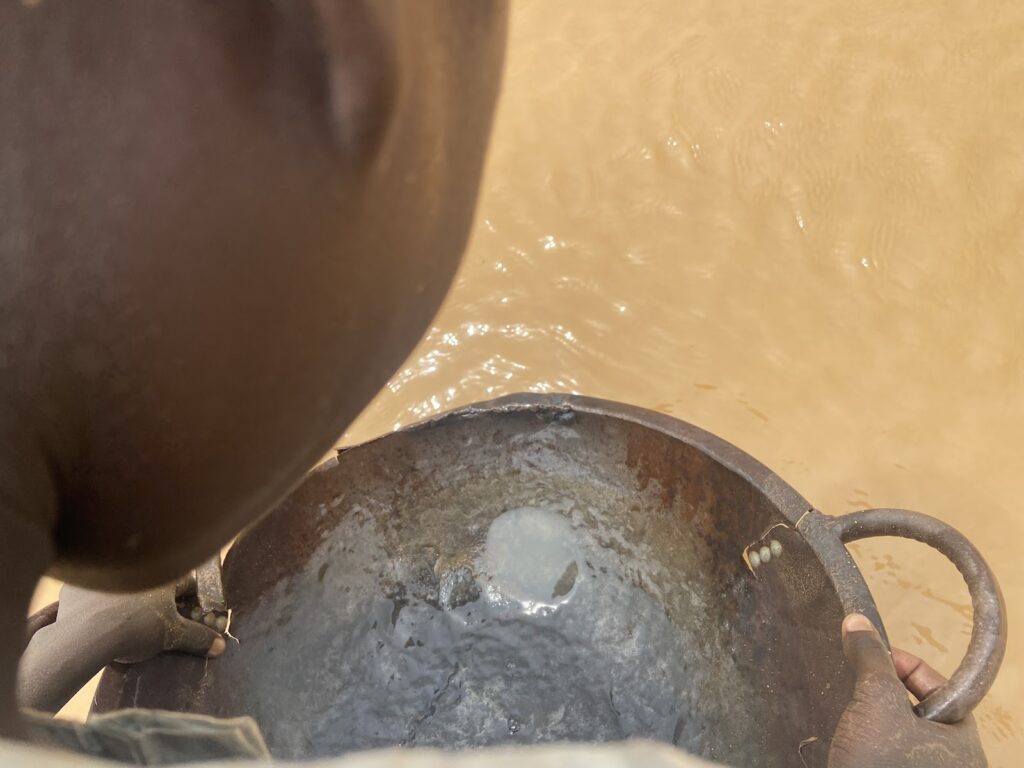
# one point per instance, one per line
(216, 647)
(857, 622)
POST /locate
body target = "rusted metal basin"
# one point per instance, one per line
(543, 568)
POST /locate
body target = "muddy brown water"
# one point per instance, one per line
(799, 226)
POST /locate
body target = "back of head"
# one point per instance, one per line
(225, 224)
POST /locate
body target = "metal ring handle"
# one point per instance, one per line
(977, 671)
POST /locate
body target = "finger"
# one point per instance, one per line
(192, 637)
(868, 655)
(920, 679)
(44, 617)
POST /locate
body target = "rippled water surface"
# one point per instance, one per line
(796, 225)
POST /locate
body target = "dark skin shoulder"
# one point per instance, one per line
(225, 225)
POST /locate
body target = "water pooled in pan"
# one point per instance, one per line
(531, 558)
(540, 637)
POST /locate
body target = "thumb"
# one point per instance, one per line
(864, 649)
(192, 637)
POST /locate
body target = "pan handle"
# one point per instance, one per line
(970, 682)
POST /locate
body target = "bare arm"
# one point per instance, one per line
(92, 629)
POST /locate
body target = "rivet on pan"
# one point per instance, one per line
(755, 559)
(775, 547)
(765, 553)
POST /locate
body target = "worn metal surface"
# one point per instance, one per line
(536, 568)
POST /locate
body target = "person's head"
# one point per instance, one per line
(224, 225)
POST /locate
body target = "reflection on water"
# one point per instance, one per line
(531, 560)
(796, 225)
